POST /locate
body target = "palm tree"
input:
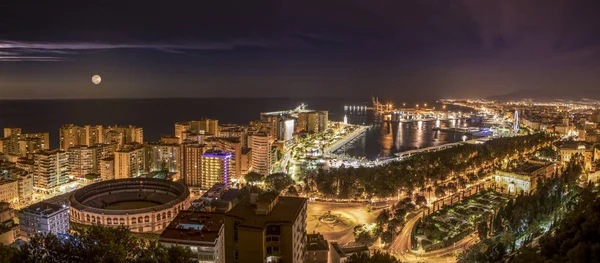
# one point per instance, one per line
(429, 190)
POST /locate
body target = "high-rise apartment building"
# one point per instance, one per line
(266, 228)
(261, 157)
(201, 232)
(162, 157)
(237, 131)
(312, 121)
(191, 164)
(93, 134)
(317, 249)
(180, 128)
(71, 135)
(9, 230)
(129, 161)
(205, 126)
(88, 135)
(217, 168)
(231, 145)
(11, 174)
(51, 169)
(21, 144)
(122, 135)
(44, 218)
(9, 191)
(323, 120)
(107, 168)
(86, 159)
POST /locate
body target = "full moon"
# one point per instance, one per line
(96, 79)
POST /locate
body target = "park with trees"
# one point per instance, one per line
(441, 172)
(94, 244)
(529, 217)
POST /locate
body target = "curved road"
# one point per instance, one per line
(402, 246)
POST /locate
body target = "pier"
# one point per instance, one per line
(361, 130)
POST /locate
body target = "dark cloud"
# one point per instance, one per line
(285, 47)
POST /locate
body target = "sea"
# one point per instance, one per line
(157, 117)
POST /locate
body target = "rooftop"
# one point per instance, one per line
(43, 208)
(527, 168)
(193, 226)
(348, 251)
(316, 242)
(574, 145)
(285, 211)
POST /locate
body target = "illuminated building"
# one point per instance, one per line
(312, 121)
(201, 232)
(317, 249)
(285, 130)
(217, 167)
(266, 228)
(569, 149)
(129, 161)
(338, 254)
(82, 161)
(237, 131)
(9, 191)
(21, 144)
(121, 135)
(191, 164)
(261, 153)
(141, 204)
(516, 122)
(246, 161)
(162, 157)
(44, 218)
(9, 230)
(180, 128)
(86, 159)
(88, 135)
(524, 177)
(231, 145)
(71, 135)
(206, 126)
(51, 169)
(107, 168)
(203, 126)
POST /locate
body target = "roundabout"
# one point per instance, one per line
(336, 221)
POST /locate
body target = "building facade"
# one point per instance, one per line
(201, 232)
(191, 164)
(129, 161)
(217, 168)
(266, 228)
(51, 169)
(261, 153)
(162, 157)
(44, 218)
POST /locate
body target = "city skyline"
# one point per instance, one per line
(300, 131)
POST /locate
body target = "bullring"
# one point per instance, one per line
(142, 204)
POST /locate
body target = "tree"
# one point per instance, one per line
(387, 237)
(292, 190)
(383, 217)
(482, 230)
(96, 244)
(253, 178)
(10, 254)
(278, 181)
(421, 200)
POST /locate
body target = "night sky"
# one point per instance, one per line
(410, 49)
